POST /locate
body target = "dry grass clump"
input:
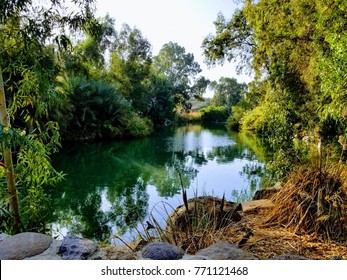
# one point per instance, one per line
(314, 201)
(194, 225)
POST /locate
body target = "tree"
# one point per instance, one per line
(199, 87)
(87, 57)
(227, 92)
(234, 39)
(130, 65)
(179, 68)
(25, 30)
(8, 162)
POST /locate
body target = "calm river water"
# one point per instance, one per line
(111, 188)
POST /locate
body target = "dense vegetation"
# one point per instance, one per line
(297, 52)
(68, 76)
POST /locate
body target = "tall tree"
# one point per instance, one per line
(130, 65)
(180, 69)
(227, 92)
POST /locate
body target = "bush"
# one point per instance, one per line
(212, 114)
(234, 121)
(96, 109)
(255, 120)
(191, 117)
(138, 127)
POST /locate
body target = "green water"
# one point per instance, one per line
(110, 188)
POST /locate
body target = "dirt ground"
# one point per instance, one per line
(269, 241)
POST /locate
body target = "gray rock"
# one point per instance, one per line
(50, 254)
(162, 251)
(76, 248)
(4, 236)
(225, 251)
(195, 257)
(289, 256)
(24, 245)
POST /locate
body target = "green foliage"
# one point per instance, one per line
(130, 65)
(139, 127)
(234, 120)
(227, 92)
(33, 171)
(160, 104)
(297, 49)
(233, 39)
(254, 120)
(214, 114)
(180, 69)
(96, 110)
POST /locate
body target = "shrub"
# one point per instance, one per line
(214, 114)
(234, 120)
(255, 120)
(138, 127)
(191, 117)
(95, 109)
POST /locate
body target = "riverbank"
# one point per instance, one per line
(233, 242)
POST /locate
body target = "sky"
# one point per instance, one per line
(185, 22)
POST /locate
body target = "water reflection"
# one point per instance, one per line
(110, 188)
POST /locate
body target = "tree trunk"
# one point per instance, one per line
(7, 155)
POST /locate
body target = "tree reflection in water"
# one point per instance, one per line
(109, 186)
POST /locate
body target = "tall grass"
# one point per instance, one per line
(314, 201)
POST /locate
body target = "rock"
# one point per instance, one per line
(119, 253)
(267, 193)
(255, 205)
(214, 211)
(24, 245)
(162, 251)
(76, 248)
(289, 256)
(225, 251)
(50, 254)
(3, 236)
(195, 257)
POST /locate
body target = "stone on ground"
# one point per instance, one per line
(24, 245)
(76, 248)
(225, 251)
(162, 251)
(50, 254)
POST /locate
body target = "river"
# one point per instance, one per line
(113, 188)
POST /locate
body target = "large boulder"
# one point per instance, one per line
(24, 245)
(225, 251)
(50, 254)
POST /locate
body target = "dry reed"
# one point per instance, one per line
(314, 201)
